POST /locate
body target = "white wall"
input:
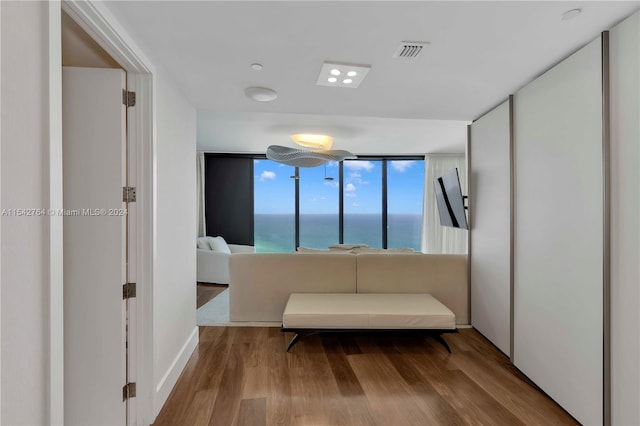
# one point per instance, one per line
(558, 254)
(23, 252)
(174, 293)
(24, 338)
(490, 227)
(625, 211)
(0, 210)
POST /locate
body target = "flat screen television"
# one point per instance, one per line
(450, 201)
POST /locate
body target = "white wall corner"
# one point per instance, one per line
(170, 377)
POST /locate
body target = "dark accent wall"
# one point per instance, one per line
(229, 198)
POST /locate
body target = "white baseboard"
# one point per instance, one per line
(169, 379)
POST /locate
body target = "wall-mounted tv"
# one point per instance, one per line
(450, 201)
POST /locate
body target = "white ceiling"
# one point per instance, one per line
(480, 52)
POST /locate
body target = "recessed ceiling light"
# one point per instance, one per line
(354, 74)
(256, 66)
(261, 94)
(570, 14)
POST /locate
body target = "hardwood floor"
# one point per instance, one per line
(206, 292)
(243, 376)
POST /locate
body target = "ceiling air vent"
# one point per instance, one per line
(410, 49)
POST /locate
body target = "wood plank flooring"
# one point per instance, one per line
(243, 376)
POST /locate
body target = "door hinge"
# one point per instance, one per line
(129, 194)
(128, 98)
(128, 391)
(128, 290)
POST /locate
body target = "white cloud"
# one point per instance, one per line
(350, 187)
(355, 205)
(351, 195)
(332, 164)
(402, 166)
(332, 184)
(359, 165)
(357, 178)
(267, 175)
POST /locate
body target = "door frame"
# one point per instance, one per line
(99, 23)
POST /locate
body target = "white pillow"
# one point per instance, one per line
(203, 243)
(310, 250)
(346, 246)
(219, 244)
(379, 250)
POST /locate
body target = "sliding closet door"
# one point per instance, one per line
(558, 281)
(490, 150)
(625, 230)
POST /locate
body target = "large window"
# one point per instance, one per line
(373, 201)
(405, 188)
(274, 207)
(319, 206)
(363, 202)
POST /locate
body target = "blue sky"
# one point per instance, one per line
(274, 189)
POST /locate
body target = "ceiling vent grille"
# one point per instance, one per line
(410, 49)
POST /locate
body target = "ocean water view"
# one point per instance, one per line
(275, 233)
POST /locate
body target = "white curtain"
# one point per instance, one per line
(435, 237)
(202, 226)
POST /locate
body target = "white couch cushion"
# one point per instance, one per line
(203, 243)
(219, 244)
(366, 311)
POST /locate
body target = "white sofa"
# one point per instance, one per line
(213, 262)
(260, 283)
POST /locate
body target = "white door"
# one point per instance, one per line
(94, 162)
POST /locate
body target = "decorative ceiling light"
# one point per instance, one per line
(313, 141)
(331, 70)
(261, 94)
(303, 158)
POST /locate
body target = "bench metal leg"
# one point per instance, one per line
(297, 337)
(440, 339)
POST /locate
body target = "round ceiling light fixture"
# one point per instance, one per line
(256, 66)
(570, 14)
(261, 94)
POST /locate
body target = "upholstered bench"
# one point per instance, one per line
(311, 313)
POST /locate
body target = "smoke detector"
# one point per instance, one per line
(410, 49)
